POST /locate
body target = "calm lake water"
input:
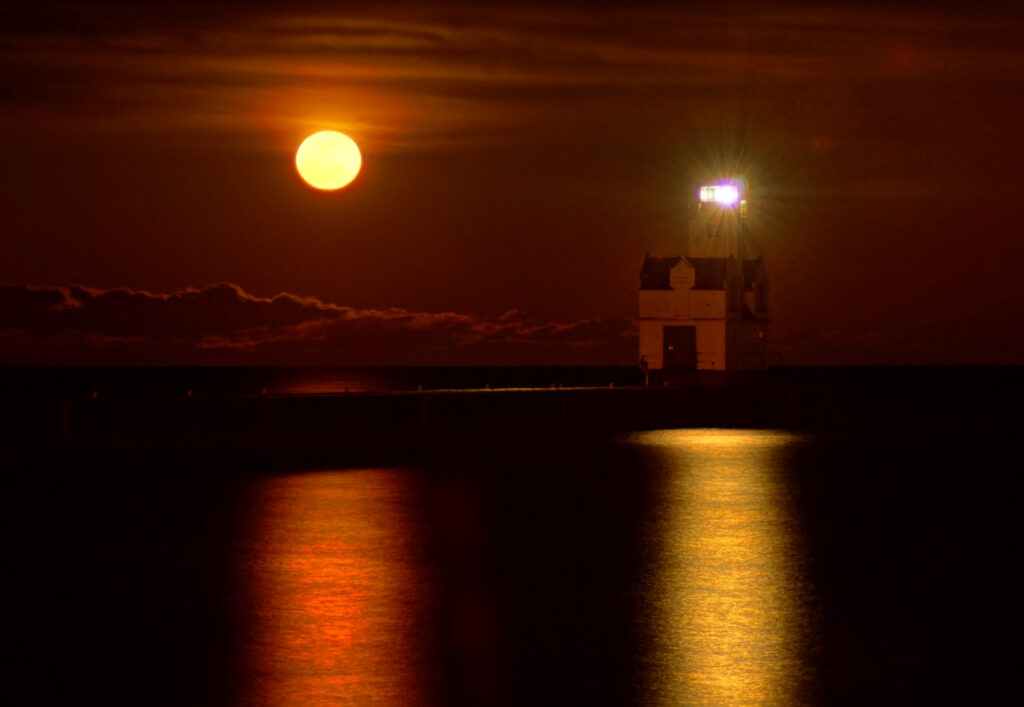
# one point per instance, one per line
(668, 567)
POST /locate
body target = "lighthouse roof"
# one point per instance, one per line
(709, 273)
(655, 273)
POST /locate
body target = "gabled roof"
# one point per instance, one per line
(655, 273)
(709, 273)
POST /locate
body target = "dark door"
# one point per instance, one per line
(680, 347)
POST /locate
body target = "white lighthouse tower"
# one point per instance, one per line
(708, 308)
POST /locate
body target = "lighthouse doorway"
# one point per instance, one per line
(680, 347)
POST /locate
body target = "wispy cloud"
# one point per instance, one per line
(408, 77)
(224, 323)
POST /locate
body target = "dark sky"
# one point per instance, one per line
(518, 162)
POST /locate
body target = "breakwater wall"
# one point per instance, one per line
(367, 423)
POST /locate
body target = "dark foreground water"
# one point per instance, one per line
(669, 567)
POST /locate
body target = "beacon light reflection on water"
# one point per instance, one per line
(730, 622)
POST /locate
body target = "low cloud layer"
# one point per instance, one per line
(223, 323)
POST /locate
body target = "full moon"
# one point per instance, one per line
(328, 160)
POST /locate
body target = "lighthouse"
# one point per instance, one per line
(707, 309)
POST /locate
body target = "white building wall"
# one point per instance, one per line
(681, 303)
(707, 304)
(651, 342)
(711, 340)
(721, 344)
(656, 304)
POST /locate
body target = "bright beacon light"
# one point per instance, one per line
(724, 194)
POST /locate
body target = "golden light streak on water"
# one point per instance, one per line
(339, 591)
(727, 616)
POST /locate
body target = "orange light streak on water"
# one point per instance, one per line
(339, 592)
(728, 617)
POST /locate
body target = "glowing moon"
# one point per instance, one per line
(328, 160)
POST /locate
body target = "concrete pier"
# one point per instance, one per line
(852, 400)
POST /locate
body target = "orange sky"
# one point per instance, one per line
(517, 159)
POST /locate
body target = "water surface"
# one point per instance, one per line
(670, 567)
